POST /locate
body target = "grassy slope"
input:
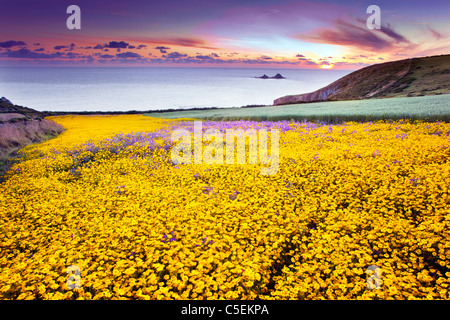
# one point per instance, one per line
(427, 76)
(410, 77)
(431, 107)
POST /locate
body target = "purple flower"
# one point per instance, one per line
(414, 181)
(403, 136)
(233, 196)
(207, 189)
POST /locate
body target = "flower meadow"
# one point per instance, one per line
(105, 196)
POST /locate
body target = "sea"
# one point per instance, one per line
(153, 88)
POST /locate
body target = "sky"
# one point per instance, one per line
(216, 33)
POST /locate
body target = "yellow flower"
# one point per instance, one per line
(130, 271)
(105, 196)
(393, 290)
(5, 288)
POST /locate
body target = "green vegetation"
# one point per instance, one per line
(403, 78)
(415, 108)
(427, 76)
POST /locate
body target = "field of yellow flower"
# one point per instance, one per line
(104, 196)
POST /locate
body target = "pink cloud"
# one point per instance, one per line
(357, 35)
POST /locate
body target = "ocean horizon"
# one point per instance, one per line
(153, 88)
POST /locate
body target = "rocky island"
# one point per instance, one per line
(277, 76)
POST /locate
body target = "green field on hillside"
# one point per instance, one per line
(427, 108)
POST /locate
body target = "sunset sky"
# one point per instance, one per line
(232, 33)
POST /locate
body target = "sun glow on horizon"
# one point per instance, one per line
(327, 66)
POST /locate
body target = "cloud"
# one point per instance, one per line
(128, 55)
(141, 46)
(117, 45)
(71, 55)
(435, 34)
(162, 49)
(347, 34)
(11, 43)
(59, 57)
(266, 58)
(350, 64)
(24, 53)
(175, 55)
(203, 57)
(186, 42)
(299, 56)
(39, 50)
(69, 48)
(37, 44)
(98, 47)
(27, 54)
(182, 42)
(306, 62)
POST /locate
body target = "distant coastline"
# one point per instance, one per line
(62, 113)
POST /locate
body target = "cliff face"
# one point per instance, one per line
(21, 126)
(411, 77)
(7, 107)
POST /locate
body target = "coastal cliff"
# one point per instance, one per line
(410, 77)
(19, 127)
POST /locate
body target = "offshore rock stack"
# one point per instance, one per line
(277, 76)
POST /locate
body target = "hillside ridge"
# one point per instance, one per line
(402, 78)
